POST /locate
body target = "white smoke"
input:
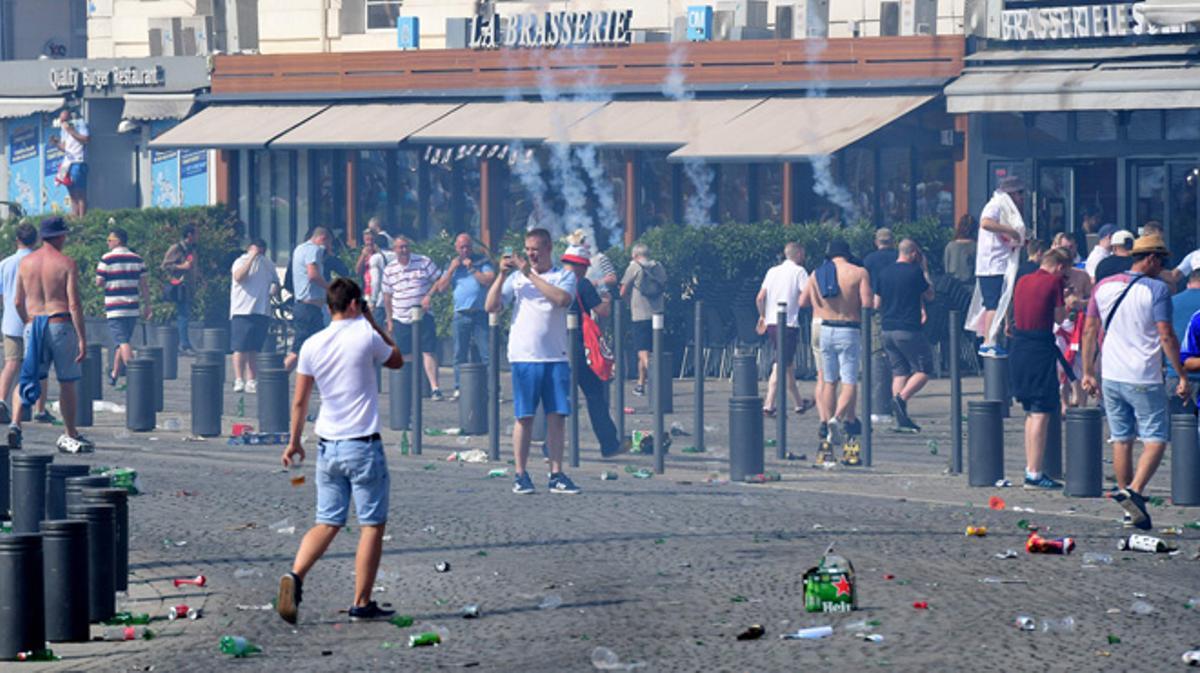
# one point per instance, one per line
(824, 184)
(697, 210)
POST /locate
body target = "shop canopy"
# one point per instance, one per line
(235, 126)
(156, 106)
(15, 108)
(656, 123)
(782, 129)
(1171, 12)
(382, 125)
(510, 121)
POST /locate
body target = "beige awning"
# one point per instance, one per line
(15, 108)
(366, 126)
(151, 106)
(523, 121)
(1128, 86)
(782, 129)
(235, 126)
(655, 123)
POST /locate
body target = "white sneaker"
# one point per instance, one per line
(69, 444)
(238, 385)
(252, 386)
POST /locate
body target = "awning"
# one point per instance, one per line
(365, 126)
(1166, 13)
(151, 106)
(523, 121)
(235, 126)
(1123, 86)
(781, 129)
(655, 123)
(14, 108)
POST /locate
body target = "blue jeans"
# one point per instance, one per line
(183, 309)
(1135, 410)
(595, 392)
(355, 467)
(469, 328)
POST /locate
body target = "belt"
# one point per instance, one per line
(364, 438)
(59, 317)
(849, 324)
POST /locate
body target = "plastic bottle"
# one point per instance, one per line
(198, 580)
(1064, 625)
(1026, 623)
(1141, 608)
(1192, 658)
(117, 633)
(45, 655)
(237, 646)
(127, 619)
(1036, 544)
(861, 625)
(404, 445)
(427, 639)
(550, 602)
(1095, 558)
(812, 633)
(1146, 543)
(498, 472)
(401, 621)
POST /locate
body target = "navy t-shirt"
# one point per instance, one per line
(900, 288)
(876, 262)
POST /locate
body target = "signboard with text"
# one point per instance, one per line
(1080, 22)
(552, 29)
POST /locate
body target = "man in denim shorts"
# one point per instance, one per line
(1134, 310)
(342, 360)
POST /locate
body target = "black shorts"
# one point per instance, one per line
(247, 333)
(791, 336)
(1033, 373)
(307, 320)
(990, 289)
(907, 352)
(643, 335)
(403, 334)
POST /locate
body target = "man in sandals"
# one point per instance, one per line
(342, 360)
(782, 285)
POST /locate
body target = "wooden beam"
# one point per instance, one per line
(485, 203)
(787, 192)
(961, 185)
(631, 191)
(224, 189)
(351, 173)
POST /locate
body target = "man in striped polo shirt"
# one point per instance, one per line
(408, 284)
(122, 274)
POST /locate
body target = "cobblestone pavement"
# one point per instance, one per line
(665, 571)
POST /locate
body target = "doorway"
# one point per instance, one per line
(1066, 191)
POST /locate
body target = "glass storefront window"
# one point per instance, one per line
(654, 192)
(935, 187)
(441, 197)
(1095, 126)
(895, 164)
(404, 202)
(1182, 214)
(371, 187)
(1183, 124)
(700, 185)
(733, 202)
(1004, 128)
(260, 172)
(282, 224)
(858, 177)
(1050, 126)
(770, 193)
(1149, 196)
(1145, 125)
(469, 217)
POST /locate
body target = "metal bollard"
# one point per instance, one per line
(658, 388)
(1085, 449)
(619, 368)
(5, 483)
(745, 375)
(166, 337)
(881, 385)
(867, 410)
(745, 437)
(400, 397)
(101, 558)
(28, 490)
(155, 353)
(985, 434)
(1052, 458)
(56, 487)
(574, 362)
(216, 358)
(268, 360)
(22, 601)
(995, 382)
(1185, 460)
(95, 383)
(65, 580)
(781, 384)
(215, 339)
(119, 499)
(83, 391)
(955, 396)
(273, 400)
(417, 378)
(206, 400)
(667, 364)
(73, 488)
(472, 399)
(139, 395)
(698, 374)
(493, 386)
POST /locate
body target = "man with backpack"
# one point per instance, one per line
(647, 280)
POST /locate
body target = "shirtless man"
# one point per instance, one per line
(48, 302)
(840, 312)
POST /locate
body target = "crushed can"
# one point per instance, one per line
(829, 587)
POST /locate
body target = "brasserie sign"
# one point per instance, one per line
(552, 29)
(1079, 22)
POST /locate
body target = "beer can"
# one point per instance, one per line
(976, 531)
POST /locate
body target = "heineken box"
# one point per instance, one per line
(829, 587)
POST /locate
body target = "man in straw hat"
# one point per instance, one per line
(997, 257)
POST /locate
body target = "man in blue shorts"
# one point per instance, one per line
(540, 293)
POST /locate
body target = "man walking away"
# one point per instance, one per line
(540, 293)
(1001, 234)
(782, 285)
(645, 282)
(182, 277)
(409, 283)
(1134, 311)
(49, 303)
(1122, 258)
(14, 328)
(903, 289)
(883, 256)
(468, 276)
(308, 291)
(1034, 357)
(341, 360)
(249, 303)
(122, 274)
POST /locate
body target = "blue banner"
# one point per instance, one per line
(193, 177)
(164, 173)
(24, 165)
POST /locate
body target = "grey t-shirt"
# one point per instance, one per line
(641, 307)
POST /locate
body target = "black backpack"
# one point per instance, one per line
(649, 284)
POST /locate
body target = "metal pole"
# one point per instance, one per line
(494, 386)
(656, 380)
(780, 384)
(865, 393)
(573, 354)
(956, 453)
(698, 370)
(619, 354)
(419, 361)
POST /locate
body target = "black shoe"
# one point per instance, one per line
(1135, 505)
(852, 428)
(44, 416)
(287, 603)
(639, 390)
(14, 437)
(369, 613)
(899, 406)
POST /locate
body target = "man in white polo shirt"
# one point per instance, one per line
(409, 283)
(782, 285)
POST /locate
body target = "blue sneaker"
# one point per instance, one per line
(1043, 483)
(992, 352)
(371, 612)
(523, 485)
(561, 483)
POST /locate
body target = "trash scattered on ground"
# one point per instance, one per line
(829, 586)
(1192, 603)
(752, 632)
(812, 633)
(1002, 580)
(120, 633)
(1018, 508)
(639, 472)
(1192, 657)
(180, 611)
(872, 637)
(237, 646)
(107, 407)
(1096, 559)
(920, 605)
(283, 527)
(550, 601)
(977, 531)
(469, 611)
(1113, 640)
(1171, 530)
(198, 581)
(861, 625)
(169, 543)
(1001, 483)
(608, 476)
(442, 566)
(440, 432)
(171, 425)
(1064, 625)
(498, 472)
(996, 502)
(1143, 543)
(1023, 524)
(932, 445)
(38, 655)
(126, 618)
(1141, 608)
(764, 477)
(693, 449)
(428, 635)
(1036, 544)
(605, 659)
(796, 456)
(401, 621)
(629, 411)
(738, 598)
(1026, 623)
(259, 439)
(255, 608)
(472, 456)
(678, 431)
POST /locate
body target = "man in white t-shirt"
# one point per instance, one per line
(782, 285)
(341, 360)
(540, 293)
(249, 309)
(373, 259)
(1102, 249)
(73, 140)
(998, 239)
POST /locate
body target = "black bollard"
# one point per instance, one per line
(1052, 459)
(28, 490)
(745, 437)
(216, 358)
(167, 338)
(101, 558)
(119, 499)
(867, 408)
(745, 375)
(215, 339)
(206, 400)
(985, 436)
(493, 386)
(155, 353)
(94, 379)
(140, 410)
(1084, 449)
(83, 391)
(65, 578)
(995, 382)
(73, 488)
(698, 373)
(881, 385)
(667, 364)
(417, 378)
(472, 399)
(268, 360)
(955, 395)
(781, 384)
(56, 487)
(5, 483)
(272, 400)
(400, 397)
(22, 601)
(1185, 460)
(660, 376)
(619, 364)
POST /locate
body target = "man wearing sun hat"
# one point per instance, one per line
(1134, 311)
